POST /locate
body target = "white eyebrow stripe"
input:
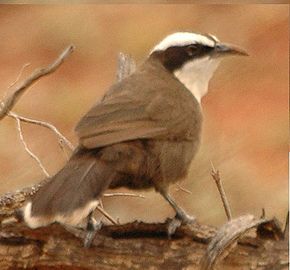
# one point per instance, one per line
(182, 39)
(213, 37)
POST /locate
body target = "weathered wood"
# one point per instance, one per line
(130, 246)
(9, 102)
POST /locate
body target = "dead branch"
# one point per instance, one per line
(180, 188)
(9, 102)
(126, 66)
(215, 175)
(30, 153)
(62, 138)
(123, 194)
(106, 214)
(131, 246)
(286, 228)
(19, 74)
(225, 239)
(101, 209)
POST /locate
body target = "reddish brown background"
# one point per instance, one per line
(246, 111)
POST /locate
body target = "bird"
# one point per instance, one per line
(143, 133)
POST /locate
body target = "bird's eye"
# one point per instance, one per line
(191, 49)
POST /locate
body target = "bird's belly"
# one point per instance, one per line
(156, 162)
(175, 159)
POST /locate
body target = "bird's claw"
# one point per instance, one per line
(185, 219)
(93, 228)
(177, 221)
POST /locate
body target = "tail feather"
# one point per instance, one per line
(71, 194)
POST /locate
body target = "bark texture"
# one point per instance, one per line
(137, 246)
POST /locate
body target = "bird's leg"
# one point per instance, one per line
(180, 213)
(92, 227)
(181, 216)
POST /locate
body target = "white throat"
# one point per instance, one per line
(195, 75)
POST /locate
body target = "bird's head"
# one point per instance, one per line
(193, 58)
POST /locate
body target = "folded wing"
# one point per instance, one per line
(117, 119)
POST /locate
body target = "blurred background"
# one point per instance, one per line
(245, 131)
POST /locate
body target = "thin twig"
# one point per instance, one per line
(286, 228)
(124, 194)
(263, 215)
(61, 137)
(126, 66)
(61, 145)
(101, 210)
(179, 187)
(28, 150)
(101, 203)
(8, 103)
(19, 75)
(215, 175)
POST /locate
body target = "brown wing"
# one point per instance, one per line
(116, 119)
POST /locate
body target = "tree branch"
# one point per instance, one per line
(30, 153)
(19, 74)
(126, 66)
(216, 176)
(62, 138)
(9, 102)
(131, 246)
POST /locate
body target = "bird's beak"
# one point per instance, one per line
(223, 49)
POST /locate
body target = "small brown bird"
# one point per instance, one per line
(143, 133)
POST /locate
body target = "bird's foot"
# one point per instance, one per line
(185, 218)
(177, 221)
(173, 225)
(92, 228)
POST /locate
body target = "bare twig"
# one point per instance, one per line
(286, 228)
(126, 66)
(215, 175)
(61, 145)
(263, 215)
(8, 103)
(179, 187)
(124, 194)
(101, 209)
(19, 75)
(61, 137)
(101, 203)
(103, 212)
(28, 150)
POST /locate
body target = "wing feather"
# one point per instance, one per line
(116, 121)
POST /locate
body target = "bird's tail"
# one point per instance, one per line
(70, 195)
